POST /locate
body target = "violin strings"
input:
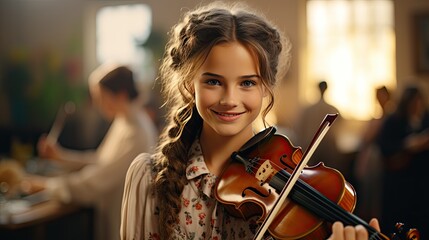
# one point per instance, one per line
(321, 205)
(330, 209)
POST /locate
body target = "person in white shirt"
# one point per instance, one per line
(100, 180)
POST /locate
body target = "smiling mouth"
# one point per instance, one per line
(227, 114)
(228, 117)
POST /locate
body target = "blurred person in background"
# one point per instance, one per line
(404, 146)
(368, 166)
(100, 179)
(307, 125)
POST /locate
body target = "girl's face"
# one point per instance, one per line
(229, 90)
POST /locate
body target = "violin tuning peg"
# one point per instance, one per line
(402, 233)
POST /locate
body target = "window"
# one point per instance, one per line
(351, 45)
(121, 32)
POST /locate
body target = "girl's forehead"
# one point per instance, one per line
(228, 55)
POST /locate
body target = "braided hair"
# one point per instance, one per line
(190, 43)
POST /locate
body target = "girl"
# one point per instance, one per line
(221, 63)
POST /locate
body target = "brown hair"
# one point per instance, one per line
(190, 42)
(116, 79)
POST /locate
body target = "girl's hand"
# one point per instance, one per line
(339, 232)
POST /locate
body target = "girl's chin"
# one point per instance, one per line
(228, 131)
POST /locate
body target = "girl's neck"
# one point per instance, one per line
(217, 149)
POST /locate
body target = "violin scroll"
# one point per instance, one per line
(402, 233)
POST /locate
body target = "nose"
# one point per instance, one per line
(229, 97)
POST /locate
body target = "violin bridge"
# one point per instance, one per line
(264, 172)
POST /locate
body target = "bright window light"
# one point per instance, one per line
(120, 33)
(351, 45)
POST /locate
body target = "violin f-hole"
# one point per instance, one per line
(256, 191)
(281, 159)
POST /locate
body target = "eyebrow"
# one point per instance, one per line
(220, 76)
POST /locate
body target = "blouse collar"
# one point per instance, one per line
(197, 172)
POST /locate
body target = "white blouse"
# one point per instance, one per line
(100, 183)
(201, 217)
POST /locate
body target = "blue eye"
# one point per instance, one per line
(248, 83)
(213, 82)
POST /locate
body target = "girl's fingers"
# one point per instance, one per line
(374, 223)
(361, 233)
(339, 232)
(349, 233)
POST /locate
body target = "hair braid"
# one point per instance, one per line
(190, 42)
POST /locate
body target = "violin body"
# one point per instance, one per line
(247, 196)
(252, 182)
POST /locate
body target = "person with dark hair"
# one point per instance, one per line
(100, 178)
(308, 121)
(404, 145)
(367, 168)
(221, 63)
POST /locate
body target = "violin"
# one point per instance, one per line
(253, 181)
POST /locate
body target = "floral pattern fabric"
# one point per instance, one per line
(201, 216)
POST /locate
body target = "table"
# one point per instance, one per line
(49, 220)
